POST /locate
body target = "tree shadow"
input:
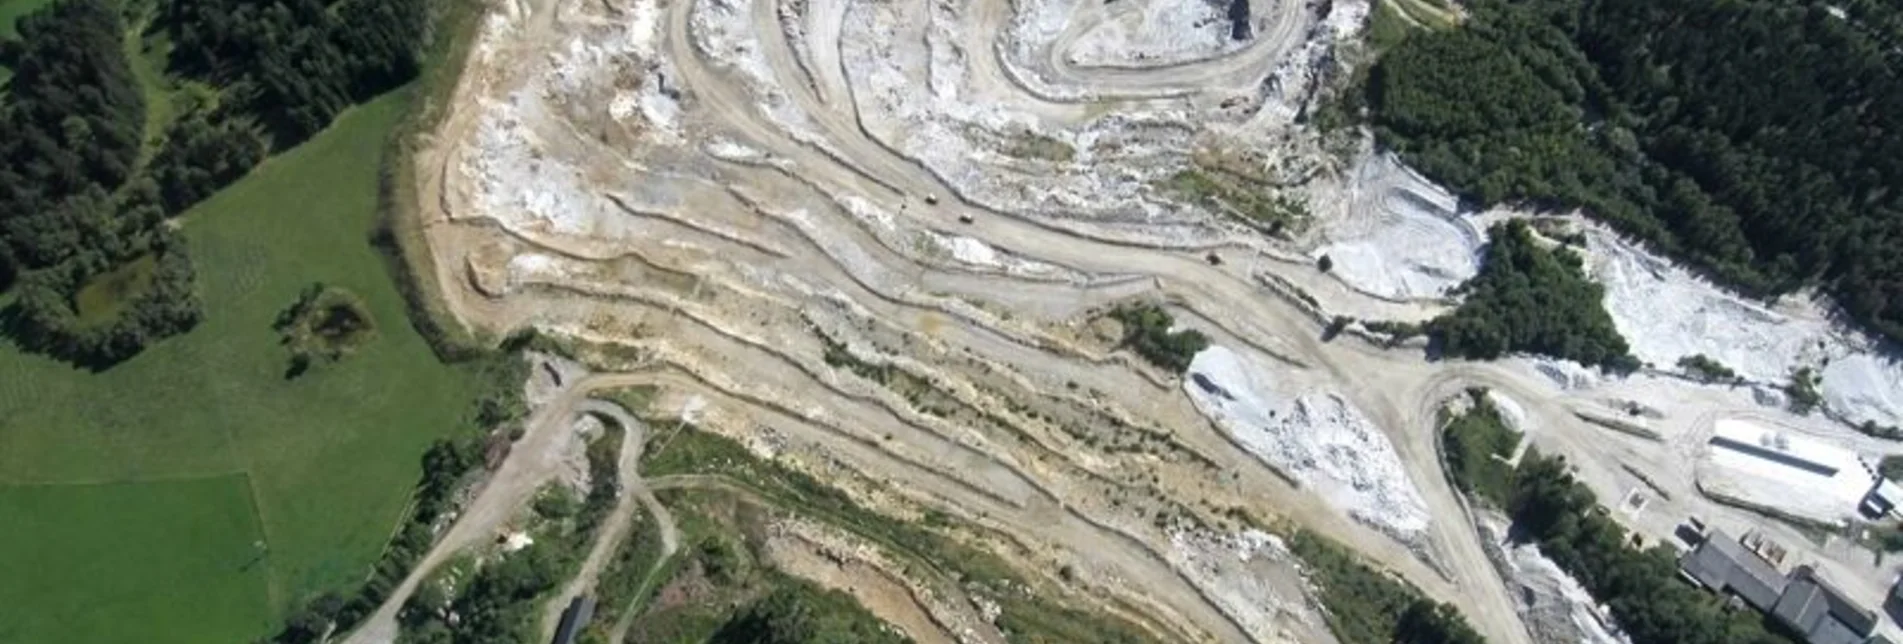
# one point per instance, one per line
(19, 329)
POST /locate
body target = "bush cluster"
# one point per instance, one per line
(1146, 330)
(1528, 298)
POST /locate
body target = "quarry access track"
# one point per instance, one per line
(719, 186)
(534, 460)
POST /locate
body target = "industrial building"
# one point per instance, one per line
(1801, 601)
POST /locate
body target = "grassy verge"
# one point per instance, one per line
(11, 10)
(1477, 444)
(634, 399)
(725, 591)
(398, 233)
(1029, 613)
(331, 456)
(154, 562)
(1388, 25)
(101, 299)
(147, 57)
(1368, 606)
(1249, 200)
(626, 577)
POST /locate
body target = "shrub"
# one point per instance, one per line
(1146, 330)
(1706, 369)
(1802, 390)
(324, 324)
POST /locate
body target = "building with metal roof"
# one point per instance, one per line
(574, 619)
(1724, 565)
(1821, 612)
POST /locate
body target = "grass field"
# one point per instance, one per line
(329, 457)
(1477, 444)
(10, 11)
(101, 299)
(113, 545)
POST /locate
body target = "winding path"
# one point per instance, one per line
(532, 462)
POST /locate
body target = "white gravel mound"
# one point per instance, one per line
(1398, 236)
(722, 29)
(1864, 387)
(1315, 437)
(517, 182)
(928, 104)
(524, 173)
(1556, 609)
(1667, 313)
(1510, 412)
(1156, 33)
(1250, 575)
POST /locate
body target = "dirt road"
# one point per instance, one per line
(609, 534)
(533, 461)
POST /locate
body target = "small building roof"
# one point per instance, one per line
(1822, 613)
(1723, 564)
(574, 619)
(1885, 497)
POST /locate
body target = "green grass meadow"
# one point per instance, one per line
(11, 10)
(175, 560)
(329, 458)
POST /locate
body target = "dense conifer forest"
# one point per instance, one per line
(85, 188)
(1759, 140)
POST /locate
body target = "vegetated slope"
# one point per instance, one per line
(300, 61)
(1534, 299)
(331, 456)
(1367, 606)
(722, 588)
(1477, 444)
(1758, 140)
(1147, 330)
(134, 545)
(71, 133)
(1641, 586)
(1028, 609)
(500, 599)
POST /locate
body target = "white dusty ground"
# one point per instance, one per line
(1749, 476)
(1556, 609)
(1156, 33)
(1251, 572)
(1397, 235)
(1314, 437)
(1667, 313)
(739, 195)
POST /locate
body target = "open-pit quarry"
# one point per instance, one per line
(880, 237)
